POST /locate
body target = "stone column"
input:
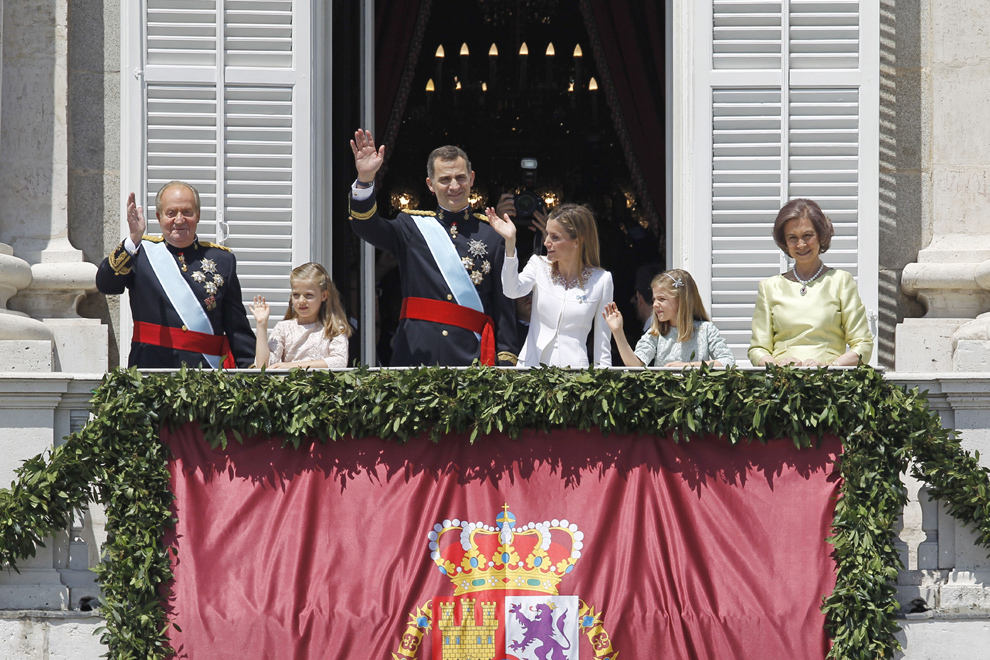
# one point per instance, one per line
(952, 275)
(34, 182)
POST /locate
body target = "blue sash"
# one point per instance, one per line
(177, 290)
(449, 263)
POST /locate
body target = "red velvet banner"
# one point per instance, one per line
(549, 547)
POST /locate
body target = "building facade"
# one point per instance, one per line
(872, 108)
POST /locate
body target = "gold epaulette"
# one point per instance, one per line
(208, 244)
(506, 356)
(358, 215)
(418, 212)
(481, 216)
(153, 239)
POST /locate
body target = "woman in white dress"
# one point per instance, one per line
(570, 290)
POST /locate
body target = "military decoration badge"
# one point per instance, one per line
(477, 271)
(506, 603)
(211, 280)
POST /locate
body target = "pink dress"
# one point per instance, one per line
(291, 342)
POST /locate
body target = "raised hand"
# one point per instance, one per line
(613, 317)
(503, 225)
(136, 224)
(260, 310)
(367, 159)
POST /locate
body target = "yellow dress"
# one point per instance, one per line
(817, 325)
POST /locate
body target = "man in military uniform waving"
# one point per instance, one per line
(185, 296)
(450, 265)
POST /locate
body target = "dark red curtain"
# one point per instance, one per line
(399, 27)
(354, 549)
(627, 39)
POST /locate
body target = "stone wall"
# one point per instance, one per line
(905, 171)
(951, 275)
(94, 143)
(41, 302)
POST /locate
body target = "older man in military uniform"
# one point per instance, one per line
(450, 265)
(185, 296)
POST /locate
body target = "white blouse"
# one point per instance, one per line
(562, 317)
(291, 342)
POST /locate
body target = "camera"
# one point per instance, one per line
(527, 202)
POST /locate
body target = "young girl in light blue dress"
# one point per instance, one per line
(682, 334)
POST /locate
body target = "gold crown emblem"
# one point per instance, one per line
(480, 557)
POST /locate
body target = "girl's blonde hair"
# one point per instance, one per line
(679, 284)
(579, 223)
(331, 310)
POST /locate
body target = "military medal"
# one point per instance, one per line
(477, 248)
(182, 262)
(453, 230)
(211, 280)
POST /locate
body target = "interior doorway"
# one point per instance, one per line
(561, 100)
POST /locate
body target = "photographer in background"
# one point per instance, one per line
(526, 209)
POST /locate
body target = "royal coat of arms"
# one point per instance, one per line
(506, 604)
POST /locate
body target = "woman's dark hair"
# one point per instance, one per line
(803, 208)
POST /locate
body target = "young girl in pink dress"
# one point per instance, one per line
(315, 330)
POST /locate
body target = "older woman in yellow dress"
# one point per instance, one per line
(812, 315)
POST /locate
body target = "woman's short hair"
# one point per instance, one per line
(803, 208)
(579, 222)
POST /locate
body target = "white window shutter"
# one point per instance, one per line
(227, 95)
(783, 104)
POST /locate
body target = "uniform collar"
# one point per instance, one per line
(195, 245)
(447, 216)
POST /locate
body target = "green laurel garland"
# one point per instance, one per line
(117, 458)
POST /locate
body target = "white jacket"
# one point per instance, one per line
(562, 318)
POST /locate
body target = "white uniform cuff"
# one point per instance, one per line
(359, 193)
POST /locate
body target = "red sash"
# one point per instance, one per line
(184, 340)
(439, 311)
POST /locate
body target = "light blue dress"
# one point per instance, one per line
(705, 344)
